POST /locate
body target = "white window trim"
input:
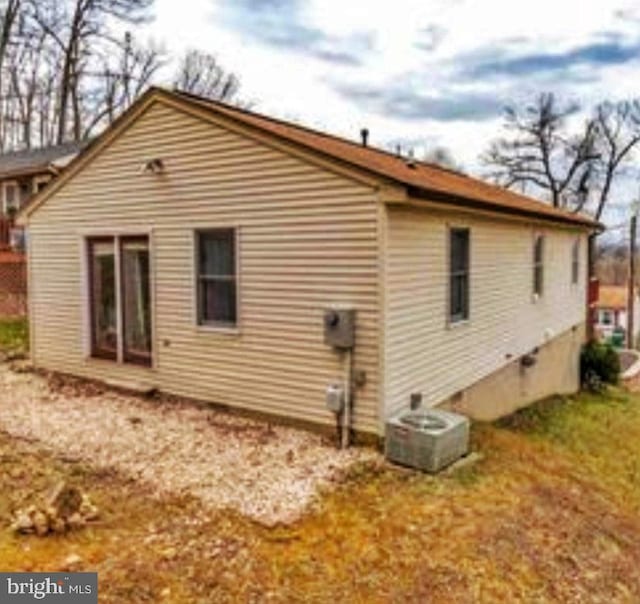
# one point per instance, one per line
(38, 180)
(454, 324)
(536, 296)
(117, 234)
(5, 185)
(576, 249)
(216, 328)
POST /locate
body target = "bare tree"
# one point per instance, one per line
(570, 168)
(9, 12)
(65, 74)
(121, 81)
(200, 73)
(76, 27)
(618, 133)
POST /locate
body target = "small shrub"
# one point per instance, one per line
(599, 365)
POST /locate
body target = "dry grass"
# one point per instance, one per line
(549, 515)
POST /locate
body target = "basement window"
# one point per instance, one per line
(217, 277)
(538, 265)
(458, 275)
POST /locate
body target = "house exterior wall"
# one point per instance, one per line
(307, 239)
(426, 355)
(619, 318)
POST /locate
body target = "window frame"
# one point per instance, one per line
(129, 357)
(458, 319)
(17, 196)
(94, 352)
(223, 327)
(538, 293)
(116, 236)
(603, 312)
(37, 181)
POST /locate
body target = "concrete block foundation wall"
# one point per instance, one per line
(556, 371)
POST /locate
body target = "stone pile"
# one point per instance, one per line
(66, 509)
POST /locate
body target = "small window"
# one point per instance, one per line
(11, 195)
(458, 275)
(575, 261)
(217, 283)
(606, 317)
(538, 265)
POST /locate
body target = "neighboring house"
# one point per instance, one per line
(612, 311)
(194, 248)
(24, 173)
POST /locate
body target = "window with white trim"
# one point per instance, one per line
(538, 265)
(575, 261)
(217, 295)
(458, 274)
(10, 197)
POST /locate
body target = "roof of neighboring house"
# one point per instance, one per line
(423, 181)
(33, 161)
(612, 296)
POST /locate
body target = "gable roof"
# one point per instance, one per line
(33, 161)
(422, 180)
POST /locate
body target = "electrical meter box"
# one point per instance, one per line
(335, 398)
(340, 327)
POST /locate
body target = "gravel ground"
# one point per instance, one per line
(267, 472)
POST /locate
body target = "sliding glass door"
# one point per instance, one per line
(104, 323)
(120, 299)
(136, 299)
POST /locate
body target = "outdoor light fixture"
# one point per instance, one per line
(152, 166)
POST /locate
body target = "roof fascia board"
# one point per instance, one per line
(420, 198)
(487, 213)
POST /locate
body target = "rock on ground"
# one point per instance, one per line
(268, 472)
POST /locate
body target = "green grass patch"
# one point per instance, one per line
(599, 431)
(14, 335)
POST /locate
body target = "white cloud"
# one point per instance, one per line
(298, 83)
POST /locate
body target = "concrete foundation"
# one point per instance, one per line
(556, 370)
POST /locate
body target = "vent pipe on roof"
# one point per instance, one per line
(364, 134)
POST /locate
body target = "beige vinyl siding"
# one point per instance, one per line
(422, 352)
(307, 239)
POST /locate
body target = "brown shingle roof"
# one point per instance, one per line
(422, 179)
(16, 163)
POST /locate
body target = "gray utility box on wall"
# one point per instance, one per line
(340, 327)
(426, 439)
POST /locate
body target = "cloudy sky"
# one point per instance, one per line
(419, 72)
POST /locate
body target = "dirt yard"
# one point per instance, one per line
(550, 514)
